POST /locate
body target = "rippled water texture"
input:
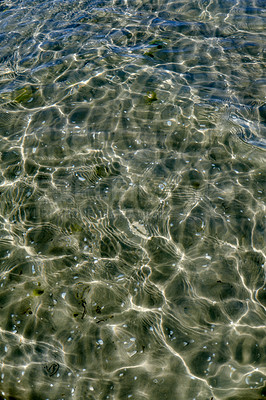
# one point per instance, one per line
(132, 212)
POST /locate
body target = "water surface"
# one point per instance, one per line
(132, 213)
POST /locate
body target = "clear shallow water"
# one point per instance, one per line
(132, 250)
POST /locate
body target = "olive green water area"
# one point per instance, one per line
(132, 209)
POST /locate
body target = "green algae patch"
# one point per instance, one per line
(37, 292)
(149, 53)
(101, 171)
(25, 95)
(155, 46)
(75, 228)
(150, 97)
